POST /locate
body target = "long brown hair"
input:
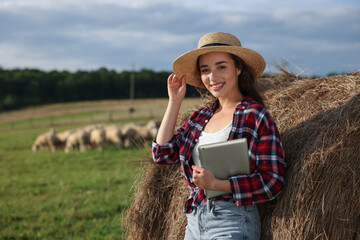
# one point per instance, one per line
(247, 83)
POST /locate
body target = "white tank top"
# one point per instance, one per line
(206, 138)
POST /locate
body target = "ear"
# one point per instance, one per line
(238, 71)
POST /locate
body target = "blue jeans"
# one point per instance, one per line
(223, 220)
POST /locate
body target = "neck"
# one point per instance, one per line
(230, 103)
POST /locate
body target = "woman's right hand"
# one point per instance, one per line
(176, 88)
(176, 91)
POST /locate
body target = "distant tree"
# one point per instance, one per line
(28, 87)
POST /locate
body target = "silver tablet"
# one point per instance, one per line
(224, 160)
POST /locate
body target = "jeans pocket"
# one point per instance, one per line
(229, 211)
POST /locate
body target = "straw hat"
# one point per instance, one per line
(216, 42)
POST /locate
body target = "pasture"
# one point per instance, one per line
(79, 195)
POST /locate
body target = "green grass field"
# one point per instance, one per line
(54, 195)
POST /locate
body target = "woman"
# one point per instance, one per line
(228, 72)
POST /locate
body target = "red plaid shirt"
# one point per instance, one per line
(252, 121)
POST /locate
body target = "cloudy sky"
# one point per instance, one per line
(315, 37)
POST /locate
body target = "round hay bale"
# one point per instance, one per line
(321, 197)
(305, 98)
(156, 211)
(319, 123)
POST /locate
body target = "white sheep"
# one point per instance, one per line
(79, 139)
(89, 128)
(98, 138)
(138, 134)
(113, 135)
(152, 129)
(130, 136)
(62, 136)
(149, 130)
(48, 140)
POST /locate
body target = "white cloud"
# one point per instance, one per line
(71, 34)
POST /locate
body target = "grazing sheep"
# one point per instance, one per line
(152, 129)
(79, 139)
(149, 130)
(62, 136)
(113, 135)
(48, 140)
(130, 137)
(98, 138)
(138, 134)
(92, 127)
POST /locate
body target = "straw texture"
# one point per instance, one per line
(319, 121)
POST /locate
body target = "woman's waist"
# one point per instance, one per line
(221, 205)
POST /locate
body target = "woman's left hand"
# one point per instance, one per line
(203, 178)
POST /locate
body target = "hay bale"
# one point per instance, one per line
(156, 212)
(319, 123)
(321, 198)
(302, 99)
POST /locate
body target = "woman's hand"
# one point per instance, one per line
(203, 178)
(176, 91)
(176, 88)
(206, 180)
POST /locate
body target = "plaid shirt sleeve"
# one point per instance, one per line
(267, 160)
(169, 152)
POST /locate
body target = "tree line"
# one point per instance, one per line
(21, 88)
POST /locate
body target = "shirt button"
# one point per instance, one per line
(196, 140)
(206, 120)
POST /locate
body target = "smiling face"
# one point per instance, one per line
(219, 74)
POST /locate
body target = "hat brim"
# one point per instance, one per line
(186, 63)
